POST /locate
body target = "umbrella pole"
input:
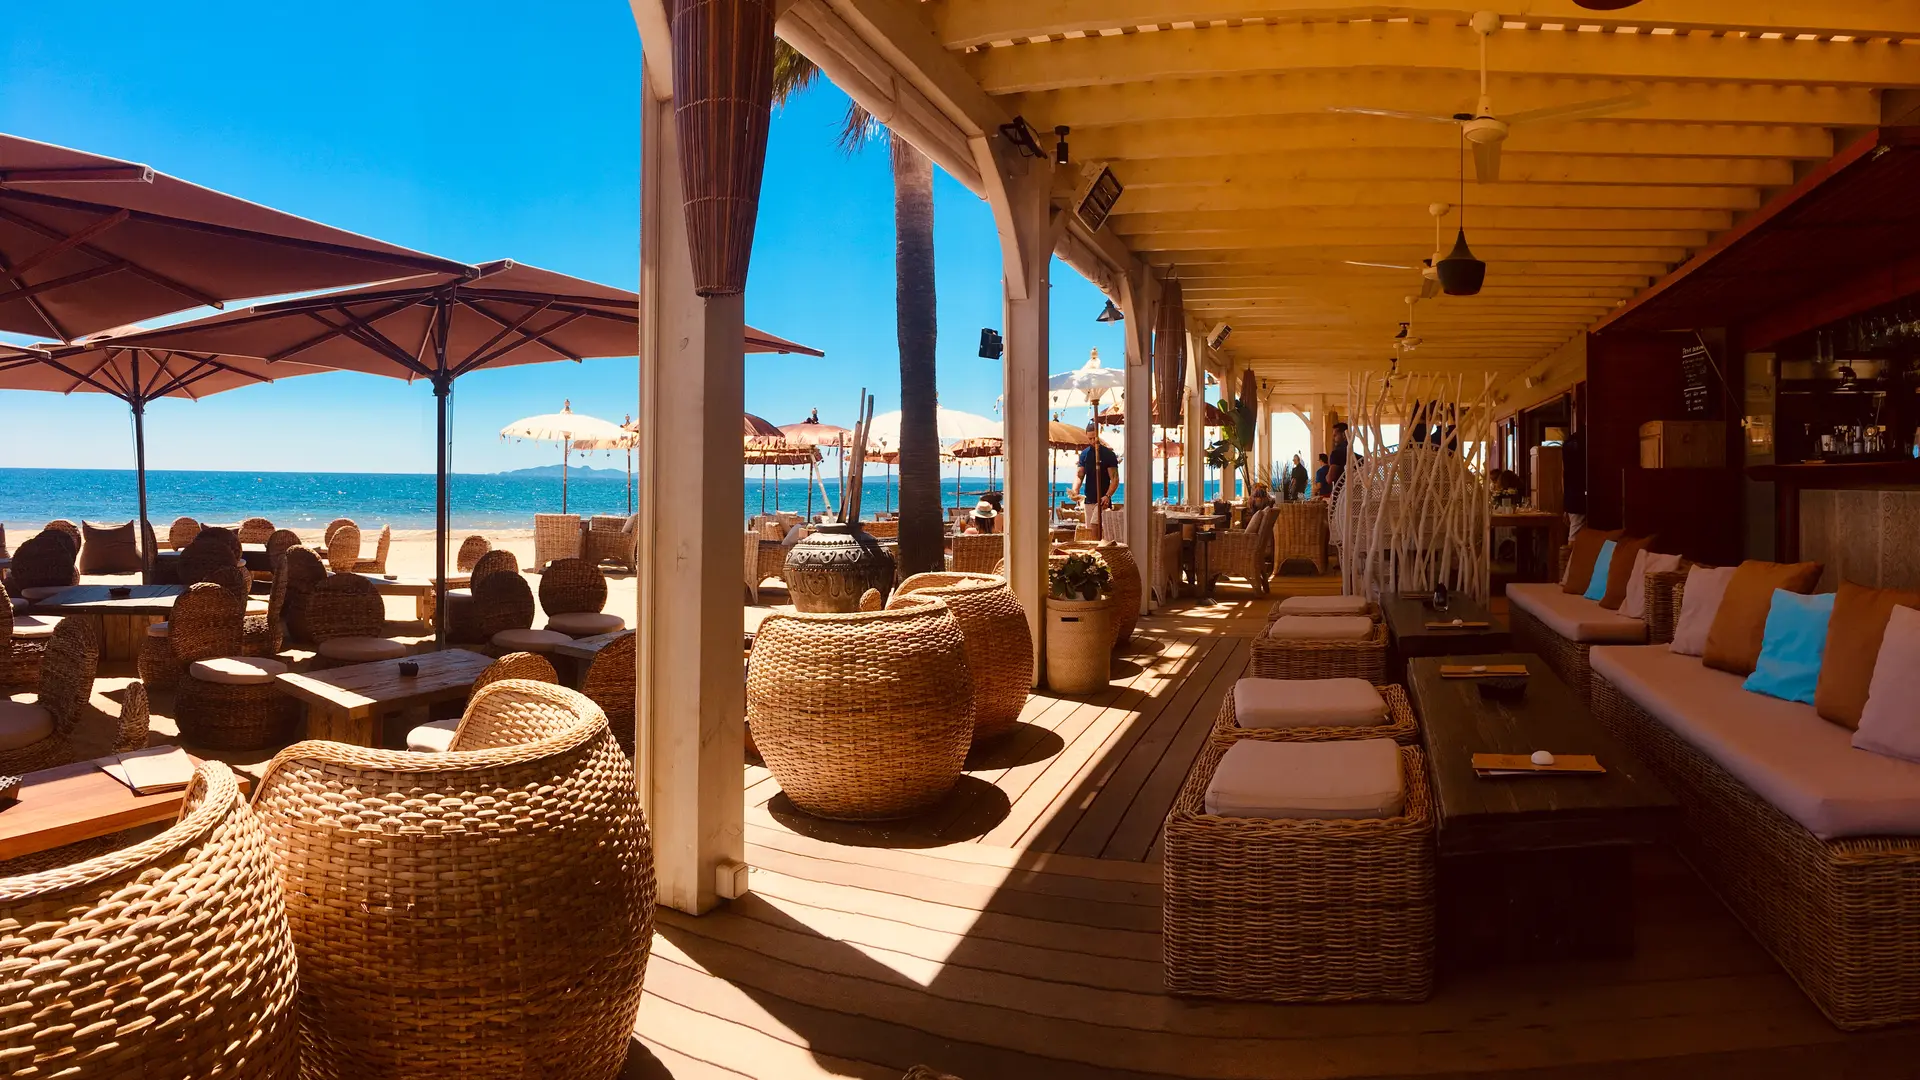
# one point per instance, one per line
(809, 491)
(140, 476)
(763, 487)
(442, 386)
(566, 451)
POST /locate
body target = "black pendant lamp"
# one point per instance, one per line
(1460, 273)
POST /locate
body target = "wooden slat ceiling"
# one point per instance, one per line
(1215, 116)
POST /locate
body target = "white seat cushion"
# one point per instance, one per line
(34, 626)
(41, 592)
(1286, 703)
(1321, 627)
(1575, 618)
(586, 623)
(159, 629)
(1324, 605)
(459, 594)
(1782, 750)
(18, 603)
(23, 723)
(237, 670)
(540, 641)
(433, 738)
(361, 650)
(1353, 778)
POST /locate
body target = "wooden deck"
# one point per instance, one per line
(1014, 932)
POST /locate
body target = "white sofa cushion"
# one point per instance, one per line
(361, 650)
(1803, 765)
(34, 626)
(18, 603)
(1288, 703)
(433, 738)
(1574, 617)
(237, 670)
(1352, 778)
(1324, 605)
(537, 641)
(41, 592)
(1634, 604)
(1890, 721)
(23, 723)
(586, 623)
(1321, 627)
(1706, 587)
(159, 629)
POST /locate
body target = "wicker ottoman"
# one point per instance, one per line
(1299, 909)
(1324, 605)
(1320, 658)
(1400, 726)
(232, 703)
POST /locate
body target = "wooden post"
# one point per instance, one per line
(1263, 447)
(690, 721)
(1138, 293)
(1035, 224)
(1193, 476)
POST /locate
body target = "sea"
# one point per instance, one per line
(30, 497)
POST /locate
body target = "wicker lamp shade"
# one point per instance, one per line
(999, 644)
(722, 93)
(1169, 356)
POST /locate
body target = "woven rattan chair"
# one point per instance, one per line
(572, 585)
(1401, 726)
(45, 560)
(438, 734)
(607, 540)
(65, 693)
(182, 532)
(463, 622)
(999, 645)
(555, 536)
(334, 526)
(470, 551)
(168, 959)
(347, 618)
(255, 530)
(343, 549)
(1300, 532)
(203, 625)
(501, 602)
(279, 542)
(377, 564)
(207, 631)
(23, 645)
(1292, 658)
(609, 683)
(881, 528)
(977, 554)
(865, 715)
(1124, 575)
(1244, 553)
(264, 633)
(510, 895)
(64, 526)
(303, 572)
(204, 558)
(1316, 909)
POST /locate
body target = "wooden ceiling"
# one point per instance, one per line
(1215, 116)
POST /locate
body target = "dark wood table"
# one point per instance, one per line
(68, 803)
(1531, 867)
(1410, 636)
(346, 704)
(122, 621)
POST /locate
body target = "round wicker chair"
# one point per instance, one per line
(347, 619)
(255, 530)
(44, 560)
(20, 653)
(182, 532)
(437, 734)
(201, 626)
(279, 542)
(207, 556)
(303, 572)
(977, 554)
(503, 895)
(470, 551)
(343, 549)
(377, 564)
(334, 526)
(170, 959)
(65, 692)
(62, 525)
(463, 623)
(865, 715)
(999, 644)
(609, 682)
(502, 602)
(223, 702)
(571, 585)
(1125, 575)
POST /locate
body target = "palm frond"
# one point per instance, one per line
(792, 72)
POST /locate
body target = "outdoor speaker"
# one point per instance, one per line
(991, 347)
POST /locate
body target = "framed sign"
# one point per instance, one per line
(1696, 380)
(1098, 202)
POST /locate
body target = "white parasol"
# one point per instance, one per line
(573, 431)
(1086, 386)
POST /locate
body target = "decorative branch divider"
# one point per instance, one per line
(1415, 515)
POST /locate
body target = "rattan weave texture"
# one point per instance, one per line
(999, 644)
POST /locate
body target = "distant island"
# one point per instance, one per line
(576, 472)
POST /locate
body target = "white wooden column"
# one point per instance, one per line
(1026, 288)
(1139, 293)
(689, 714)
(1316, 433)
(1263, 445)
(1193, 472)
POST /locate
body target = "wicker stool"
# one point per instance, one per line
(999, 644)
(1300, 532)
(1125, 574)
(864, 715)
(1324, 605)
(1400, 725)
(231, 703)
(170, 959)
(1321, 658)
(1299, 909)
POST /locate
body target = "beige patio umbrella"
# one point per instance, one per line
(811, 432)
(573, 431)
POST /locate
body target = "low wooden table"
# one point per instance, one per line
(74, 802)
(420, 588)
(345, 704)
(1531, 867)
(578, 655)
(1410, 636)
(122, 621)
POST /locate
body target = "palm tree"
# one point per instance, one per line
(914, 312)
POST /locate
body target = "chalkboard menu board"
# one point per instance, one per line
(1696, 380)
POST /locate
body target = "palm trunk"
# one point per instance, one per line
(920, 524)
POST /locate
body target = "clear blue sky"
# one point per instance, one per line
(494, 130)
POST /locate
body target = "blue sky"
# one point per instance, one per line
(502, 131)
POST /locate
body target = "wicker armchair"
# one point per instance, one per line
(182, 532)
(64, 698)
(1244, 553)
(999, 644)
(23, 644)
(501, 602)
(572, 593)
(377, 564)
(609, 540)
(609, 683)
(255, 530)
(1300, 532)
(499, 897)
(334, 526)
(202, 625)
(206, 559)
(555, 536)
(279, 542)
(470, 551)
(46, 560)
(437, 735)
(62, 525)
(347, 619)
(891, 749)
(463, 623)
(343, 549)
(1311, 658)
(223, 701)
(303, 572)
(170, 959)
(977, 554)
(264, 633)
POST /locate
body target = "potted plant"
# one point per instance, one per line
(1079, 623)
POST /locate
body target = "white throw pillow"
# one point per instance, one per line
(1706, 586)
(1890, 723)
(1634, 606)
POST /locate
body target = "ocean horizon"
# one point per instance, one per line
(29, 498)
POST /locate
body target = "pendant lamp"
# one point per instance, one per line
(1460, 273)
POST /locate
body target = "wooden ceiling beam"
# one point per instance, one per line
(1368, 217)
(1259, 297)
(1495, 255)
(1317, 282)
(1386, 193)
(1416, 241)
(1516, 167)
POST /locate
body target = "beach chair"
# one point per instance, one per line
(377, 564)
(555, 536)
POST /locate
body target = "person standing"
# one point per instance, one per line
(1297, 478)
(1097, 477)
(1320, 478)
(1337, 457)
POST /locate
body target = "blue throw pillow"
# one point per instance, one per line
(1602, 565)
(1790, 651)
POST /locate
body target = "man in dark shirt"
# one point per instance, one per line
(1297, 478)
(1320, 477)
(1337, 457)
(1099, 471)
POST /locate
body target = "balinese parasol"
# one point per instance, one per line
(573, 431)
(1086, 386)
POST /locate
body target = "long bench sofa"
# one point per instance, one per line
(1564, 627)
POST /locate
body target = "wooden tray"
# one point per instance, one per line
(1522, 764)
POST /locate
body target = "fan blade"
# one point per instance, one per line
(1579, 110)
(1382, 266)
(1429, 288)
(1395, 114)
(1486, 162)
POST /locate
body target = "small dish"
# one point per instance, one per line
(119, 592)
(391, 577)
(409, 668)
(1505, 687)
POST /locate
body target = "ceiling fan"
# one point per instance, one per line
(1429, 277)
(1406, 340)
(1485, 131)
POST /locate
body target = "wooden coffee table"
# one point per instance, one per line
(1407, 620)
(1531, 867)
(345, 704)
(420, 588)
